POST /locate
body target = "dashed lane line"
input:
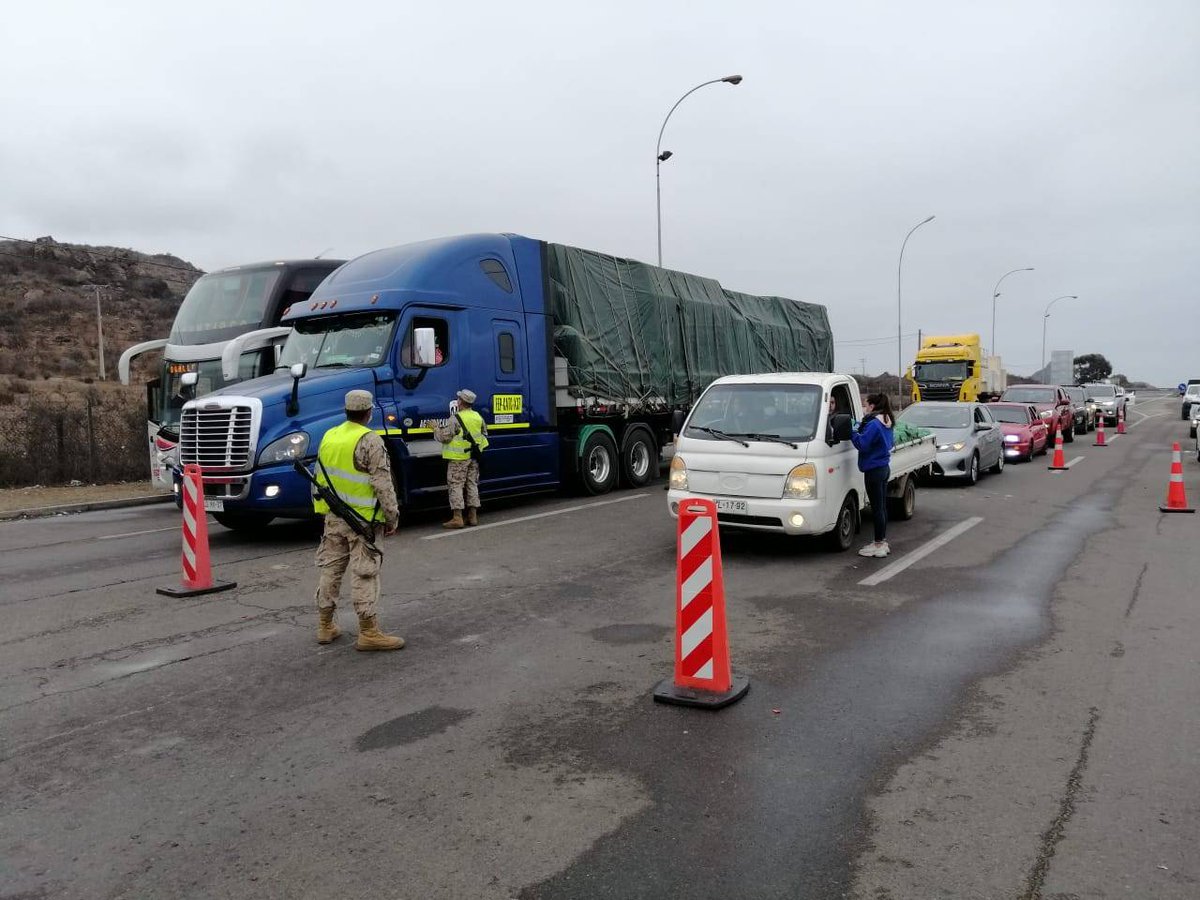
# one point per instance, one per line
(544, 515)
(894, 569)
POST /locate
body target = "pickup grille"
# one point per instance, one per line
(216, 438)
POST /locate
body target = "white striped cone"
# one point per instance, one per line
(1176, 493)
(197, 573)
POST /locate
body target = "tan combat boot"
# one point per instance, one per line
(456, 520)
(473, 516)
(371, 638)
(327, 627)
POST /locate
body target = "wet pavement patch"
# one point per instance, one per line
(630, 634)
(410, 728)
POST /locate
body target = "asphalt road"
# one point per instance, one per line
(1013, 715)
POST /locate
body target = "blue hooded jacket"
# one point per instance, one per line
(873, 440)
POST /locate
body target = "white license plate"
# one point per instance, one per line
(731, 506)
(211, 505)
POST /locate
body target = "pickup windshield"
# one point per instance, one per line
(949, 416)
(758, 412)
(348, 339)
(941, 371)
(1030, 395)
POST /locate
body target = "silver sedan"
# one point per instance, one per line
(968, 438)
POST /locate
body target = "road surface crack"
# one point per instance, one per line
(1054, 834)
(1137, 589)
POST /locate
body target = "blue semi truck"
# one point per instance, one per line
(583, 364)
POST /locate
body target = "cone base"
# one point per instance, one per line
(666, 691)
(1059, 468)
(1100, 445)
(1175, 509)
(182, 591)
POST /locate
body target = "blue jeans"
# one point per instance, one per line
(877, 481)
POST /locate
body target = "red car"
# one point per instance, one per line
(1025, 431)
(1053, 405)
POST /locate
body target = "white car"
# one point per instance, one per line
(1194, 422)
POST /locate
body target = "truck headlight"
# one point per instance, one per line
(287, 448)
(677, 480)
(957, 445)
(801, 483)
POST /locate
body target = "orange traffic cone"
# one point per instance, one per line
(702, 673)
(1100, 433)
(1121, 420)
(1059, 463)
(197, 573)
(1176, 495)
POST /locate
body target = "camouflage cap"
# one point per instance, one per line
(466, 396)
(359, 401)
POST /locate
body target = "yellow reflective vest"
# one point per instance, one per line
(459, 447)
(336, 457)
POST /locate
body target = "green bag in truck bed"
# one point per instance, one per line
(636, 333)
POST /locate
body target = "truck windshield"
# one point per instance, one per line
(941, 371)
(222, 306)
(788, 411)
(348, 339)
(1030, 395)
(949, 416)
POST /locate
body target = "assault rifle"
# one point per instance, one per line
(338, 506)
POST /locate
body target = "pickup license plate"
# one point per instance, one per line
(731, 506)
(211, 505)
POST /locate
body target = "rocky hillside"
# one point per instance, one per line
(48, 305)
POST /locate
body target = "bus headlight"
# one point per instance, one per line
(678, 478)
(287, 448)
(801, 483)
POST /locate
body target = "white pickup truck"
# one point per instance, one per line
(773, 452)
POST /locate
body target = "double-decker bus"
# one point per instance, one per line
(227, 330)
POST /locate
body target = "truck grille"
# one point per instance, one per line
(949, 392)
(216, 438)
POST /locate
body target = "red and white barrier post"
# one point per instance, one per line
(702, 672)
(197, 573)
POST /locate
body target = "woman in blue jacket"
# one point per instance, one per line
(873, 440)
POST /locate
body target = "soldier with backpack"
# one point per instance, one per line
(465, 439)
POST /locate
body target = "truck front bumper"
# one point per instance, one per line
(762, 513)
(273, 490)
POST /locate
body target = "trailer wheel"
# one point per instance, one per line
(902, 508)
(639, 458)
(243, 522)
(842, 536)
(598, 464)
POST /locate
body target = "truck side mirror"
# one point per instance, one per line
(297, 371)
(841, 427)
(424, 348)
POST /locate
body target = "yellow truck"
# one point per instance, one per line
(954, 367)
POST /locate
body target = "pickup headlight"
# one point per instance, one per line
(801, 483)
(678, 478)
(287, 448)
(1011, 439)
(957, 445)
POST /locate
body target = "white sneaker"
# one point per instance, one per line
(882, 549)
(871, 549)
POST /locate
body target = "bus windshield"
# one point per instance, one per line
(349, 339)
(172, 395)
(221, 306)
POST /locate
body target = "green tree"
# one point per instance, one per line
(1091, 367)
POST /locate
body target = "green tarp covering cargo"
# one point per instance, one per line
(646, 337)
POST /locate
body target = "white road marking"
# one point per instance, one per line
(519, 519)
(1144, 417)
(113, 537)
(894, 569)
(1072, 462)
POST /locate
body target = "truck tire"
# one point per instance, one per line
(243, 522)
(901, 508)
(845, 527)
(598, 464)
(639, 458)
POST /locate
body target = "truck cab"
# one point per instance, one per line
(949, 367)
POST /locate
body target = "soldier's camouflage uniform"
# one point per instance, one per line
(341, 548)
(462, 475)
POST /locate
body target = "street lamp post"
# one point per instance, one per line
(899, 316)
(995, 294)
(1046, 316)
(661, 156)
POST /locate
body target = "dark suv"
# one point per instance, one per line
(1085, 409)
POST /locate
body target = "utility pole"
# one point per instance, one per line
(99, 331)
(863, 360)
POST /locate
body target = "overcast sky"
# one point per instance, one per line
(1059, 135)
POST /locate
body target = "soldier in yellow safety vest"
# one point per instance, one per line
(465, 437)
(353, 461)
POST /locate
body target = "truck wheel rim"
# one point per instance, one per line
(599, 465)
(639, 461)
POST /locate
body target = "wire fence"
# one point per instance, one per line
(56, 433)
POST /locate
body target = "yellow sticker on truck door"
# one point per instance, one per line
(507, 404)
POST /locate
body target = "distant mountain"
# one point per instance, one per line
(48, 304)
